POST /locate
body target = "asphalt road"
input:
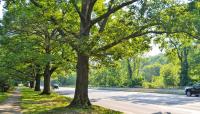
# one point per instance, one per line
(140, 103)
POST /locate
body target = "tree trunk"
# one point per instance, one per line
(47, 80)
(32, 84)
(37, 82)
(81, 92)
(138, 68)
(184, 78)
(130, 72)
(82, 69)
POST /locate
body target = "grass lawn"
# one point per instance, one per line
(33, 103)
(3, 96)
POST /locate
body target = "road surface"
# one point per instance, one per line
(140, 103)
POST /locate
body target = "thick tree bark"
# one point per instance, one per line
(47, 80)
(37, 82)
(32, 83)
(81, 93)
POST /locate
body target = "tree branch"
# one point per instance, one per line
(77, 10)
(189, 34)
(177, 49)
(112, 10)
(36, 3)
(53, 69)
(103, 23)
(91, 6)
(133, 35)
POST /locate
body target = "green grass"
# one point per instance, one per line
(33, 103)
(3, 96)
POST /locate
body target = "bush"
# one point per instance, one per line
(157, 82)
(137, 81)
(146, 84)
(170, 75)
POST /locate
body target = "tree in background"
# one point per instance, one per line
(179, 46)
(133, 66)
(151, 70)
(194, 63)
(169, 72)
(34, 28)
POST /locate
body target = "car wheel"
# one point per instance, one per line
(196, 95)
(188, 93)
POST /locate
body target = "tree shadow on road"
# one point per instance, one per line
(157, 99)
(162, 113)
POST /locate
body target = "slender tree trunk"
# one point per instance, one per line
(37, 82)
(184, 78)
(32, 83)
(81, 92)
(47, 80)
(138, 67)
(130, 72)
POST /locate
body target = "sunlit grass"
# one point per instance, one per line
(33, 103)
(3, 96)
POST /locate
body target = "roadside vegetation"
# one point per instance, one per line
(33, 103)
(160, 71)
(3, 96)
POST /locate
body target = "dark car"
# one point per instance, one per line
(194, 90)
(55, 86)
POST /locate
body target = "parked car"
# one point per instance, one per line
(55, 86)
(194, 90)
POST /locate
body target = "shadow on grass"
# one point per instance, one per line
(33, 103)
(68, 110)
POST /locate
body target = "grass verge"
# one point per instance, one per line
(33, 103)
(3, 96)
